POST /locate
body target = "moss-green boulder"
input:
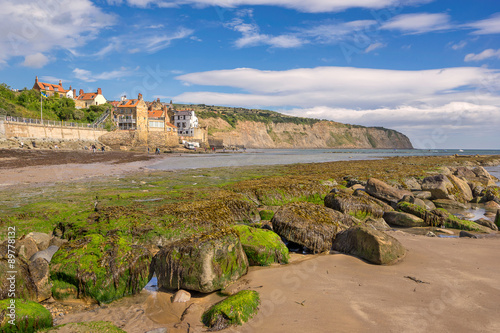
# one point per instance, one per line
(205, 262)
(358, 206)
(102, 268)
(403, 219)
(85, 327)
(266, 214)
(234, 310)
(23, 316)
(310, 225)
(369, 244)
(25, 287)
(262, 247)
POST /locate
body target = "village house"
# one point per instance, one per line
(132, 114)
(50, 89)
(84, 100)
(186, 122)
(159, 117)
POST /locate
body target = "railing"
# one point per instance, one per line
(49, 122)
(126, 121)
(101, 119)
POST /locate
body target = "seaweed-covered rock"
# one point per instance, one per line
(438, 185)
(383, 191)
(205, 262)
(262, 247)
(309, 225)
(369, 244)
(492, 193)
(266, 214)
(461, 189)
(39, 270)
(18, 315)
(85, 327)
(403, 219)
(358, 206)
(450, 204)
(103, 268)
(487, 223)
(377, 224)
(24, 286)
(234, 310)
(497, 219)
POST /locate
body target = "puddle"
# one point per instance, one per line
(448, 236)
(152, 285)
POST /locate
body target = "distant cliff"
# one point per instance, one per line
(315, 134)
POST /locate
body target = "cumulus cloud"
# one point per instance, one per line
(30, 28)
(486, 54)
(37, 60)
(418, 23)
(311, 6)
(487, 26)
(88, 76)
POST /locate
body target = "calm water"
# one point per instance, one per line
(291, 156)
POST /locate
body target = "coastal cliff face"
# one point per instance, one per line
(323, 134)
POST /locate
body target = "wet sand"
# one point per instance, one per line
(340, 293)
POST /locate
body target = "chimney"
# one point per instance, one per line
(80, 92)
(140, 97)
(158, 99)
(36, 79)
(74, 93)
(60, 83)
(70, 88)
(99, 91)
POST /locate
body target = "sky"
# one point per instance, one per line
(429, 69)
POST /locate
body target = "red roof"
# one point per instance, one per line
(51, 87)
(169, 124)
(87, 96)
(129, 103)
(155, 114)
(114, 103)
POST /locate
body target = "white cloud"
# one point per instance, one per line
(458, 46)
(487, 26)
(32, 27)
(87, 76)
(37, 60)
(374, 46)
(328, 33)
(311, 6)
(489, 53)
(418, 23)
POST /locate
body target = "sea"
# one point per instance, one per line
(250, 157)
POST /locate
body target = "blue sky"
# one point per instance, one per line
(429, 69)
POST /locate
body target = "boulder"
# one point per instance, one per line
(371, 245)
(465, 234)
(487, 223)
(41, 239)
(24, 286)
(438, 185)
(403, 219)
(310, 225)
(234, 310)
(46, 254)
(383, 191)
(481, 172)
(461, 189)
(262, 247)
(357, 206)
(412, 184)
(450, 204)
(497, 219)
(181, 296)
(464, 172)
(424, 195)
(492, 193)
(491, 205)
(29, 316)
(204, 262)
(102, 268)
(266, 214)
(377, 224)
(26, 247)
(429, 205)
(40, 272)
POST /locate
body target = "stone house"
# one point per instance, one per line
(84, 100)
(52, 89)
(186, 122)
(132, 114)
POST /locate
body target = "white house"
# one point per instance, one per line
(186, 121)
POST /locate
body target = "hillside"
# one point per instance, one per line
(254, 128)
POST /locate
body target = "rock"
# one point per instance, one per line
(477, 188)
(29, 316)
(357, 187)
(309, 225)
(497, 219)
(430, 205)
(101, 268)
(461, 189)
(41, 239)
(492, 193)
(371, 245)
(56, 241)
(445, 231)
(26, 247)
(403, 219)
(39, 270)
(377, 224)
(24, 286)
(491, 205)
(412, 184)
(262, 247)
(204, 262)
(481, 172)
(357, 206)
(438, 185)
(430, 234)
(234, 310)
(487, 223)
(181, 296)
(450, 204)
(466, 234)
(383, 191)
(467, 173)
(424, 195)
(46, 254)
(266, 214)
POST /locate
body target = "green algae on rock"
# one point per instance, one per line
(310, 225)
(266, 214)
(234, 310)
(102, 268)
(262, 247)
(372, 245)
(357, 206)
(25, 286)
(204, 262)
(29, 316)
(85, 327)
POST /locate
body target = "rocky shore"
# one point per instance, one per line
(200, 232)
